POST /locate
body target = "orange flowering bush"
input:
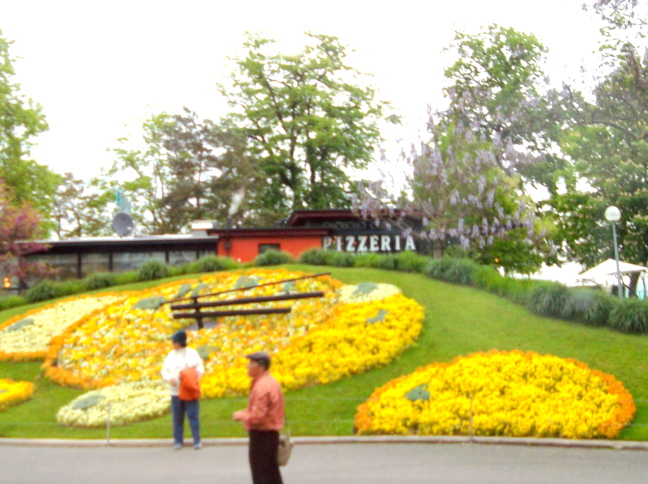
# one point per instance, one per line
(503, 393)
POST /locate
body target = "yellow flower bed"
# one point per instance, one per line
(123, 404)
(26, 337)
(14, 392)
(125, 344)
(506, 393)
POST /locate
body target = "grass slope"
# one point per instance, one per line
(459, 321)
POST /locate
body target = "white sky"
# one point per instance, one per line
(100, 68)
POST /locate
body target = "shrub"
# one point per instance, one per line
(458, 271)
(367, 260)
(386, 262)
(127, 277)
(43, 291)
(273, 258)
(629, 315)
(9, 302)
(590, 306)
(315, 257)
(342, 259)
(100, 280)
(409, 261)
(549, 299)
(212, 263)
(152, 269)
(489, 279)
(72, 286)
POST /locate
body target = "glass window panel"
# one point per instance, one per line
(65, 265)
(131, 261)
(180, 257)
(91, 263)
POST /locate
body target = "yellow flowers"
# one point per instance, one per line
(123, 404)
(502, 393)
(14, 392)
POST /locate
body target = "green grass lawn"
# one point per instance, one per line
(459, 321)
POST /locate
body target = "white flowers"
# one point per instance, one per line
(33, 333)
(125, 403)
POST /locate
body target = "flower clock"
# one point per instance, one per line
(500, 393)
(13, 392)
(114, 345)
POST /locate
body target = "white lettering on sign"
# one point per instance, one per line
(368, 243)
(373, 243)
(385, 243)
(362, 243)
(409, 244)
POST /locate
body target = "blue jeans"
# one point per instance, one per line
(178, 410)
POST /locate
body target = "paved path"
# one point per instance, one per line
(324, 463)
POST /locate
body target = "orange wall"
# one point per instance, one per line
(245, 250)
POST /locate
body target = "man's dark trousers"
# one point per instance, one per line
(263, 457)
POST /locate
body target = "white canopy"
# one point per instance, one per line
(609, 267)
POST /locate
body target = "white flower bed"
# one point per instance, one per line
(34, 332)
(127, 403)
(366, 292)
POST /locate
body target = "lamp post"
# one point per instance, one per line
(613, 215)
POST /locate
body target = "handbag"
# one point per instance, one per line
(189, 384)
(285, 448)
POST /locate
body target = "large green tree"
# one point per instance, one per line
(497, 87)
(608, 142)
(80, 210)
(183, 169)
(21, 120)
(309, 119)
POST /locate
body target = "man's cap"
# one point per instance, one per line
(260, 357)
(180, 337)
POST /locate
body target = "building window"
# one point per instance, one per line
(66, 264)
(130, 261)
(264, 247)
(91, 263)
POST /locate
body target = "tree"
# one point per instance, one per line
(608, 141)
(20, 225)
(79, 210)
(307, 120)
(457, 195)
(497, 87)
(187, 170)
(20, 121)
(207, 166)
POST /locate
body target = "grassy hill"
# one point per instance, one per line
(459, 321)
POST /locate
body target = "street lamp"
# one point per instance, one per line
(613, 215)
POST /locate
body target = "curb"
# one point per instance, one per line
(539, 442)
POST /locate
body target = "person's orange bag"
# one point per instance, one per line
(189, 384)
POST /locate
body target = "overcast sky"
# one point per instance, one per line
(100, 68)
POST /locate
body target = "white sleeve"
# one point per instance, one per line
(167, 372)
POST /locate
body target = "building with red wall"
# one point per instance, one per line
(339, 230)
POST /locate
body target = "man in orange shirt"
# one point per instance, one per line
(263, 419)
